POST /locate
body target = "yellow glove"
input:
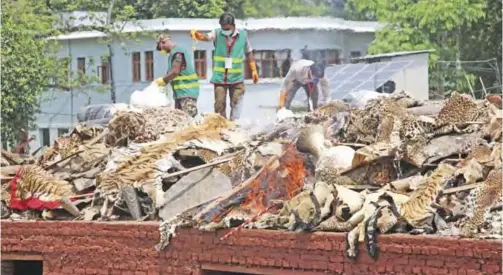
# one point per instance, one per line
(160, 82)
(282, 99)
(197, 35)
(253, 68)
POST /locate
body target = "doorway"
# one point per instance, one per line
(26, 267)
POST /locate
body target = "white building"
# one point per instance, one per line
(135, 65)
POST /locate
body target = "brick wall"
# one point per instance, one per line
(120, 248)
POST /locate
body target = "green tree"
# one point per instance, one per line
(281, 8)
(422, 24)
(119, 14)
(482, 41)
(26, 67)
(180, 8)
(240, 8)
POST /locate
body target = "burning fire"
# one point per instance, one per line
(281, 181)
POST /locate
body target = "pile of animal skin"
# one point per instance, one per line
(395, 166)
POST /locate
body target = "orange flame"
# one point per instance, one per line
(284, 182)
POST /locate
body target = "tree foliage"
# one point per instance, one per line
(482, 41)
(424, 24)
(411, 24)
(240, 8)
(107, 16)
(26, 67)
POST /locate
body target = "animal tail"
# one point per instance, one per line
(371, 233)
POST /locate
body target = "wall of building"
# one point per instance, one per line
(59, 108)
(260, 40)
(127, 248)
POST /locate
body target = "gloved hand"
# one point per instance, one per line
(253, 68)
(282, 100)
(160, 82)
(197, 35)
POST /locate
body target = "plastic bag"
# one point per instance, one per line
(283, 113)
(152, 96)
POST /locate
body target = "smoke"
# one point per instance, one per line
(360, 98)
(238, 108)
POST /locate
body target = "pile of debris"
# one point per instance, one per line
(396, 165)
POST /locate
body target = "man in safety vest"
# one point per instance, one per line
(231, 46)
(181, 73)
(307, 74)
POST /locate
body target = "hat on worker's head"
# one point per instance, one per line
(160, 38)
(318, 69)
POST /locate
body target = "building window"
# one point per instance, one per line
(327, 56)
(149, 65)
(45, 137)
(270, 64)
(81, 65)
(104, 70)
(62, 131)
(81, 68)
(354, 54)
(136, 67)
(200, 63)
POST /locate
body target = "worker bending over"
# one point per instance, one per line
(231, 46)
(181, 73)
(307, 74)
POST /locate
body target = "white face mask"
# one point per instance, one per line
(227, 32)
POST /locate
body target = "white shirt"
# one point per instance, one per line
(299, 71)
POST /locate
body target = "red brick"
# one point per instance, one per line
(407, 250)
(68, 270)
(471, 264)
(416, 262)
(398, 268)
(395, 249)
(319, 265)
(416, 250)
(337, 259)
(473, 272)
(435, 263)
(381, 268)
(433, 251)
(314, 257)
(338, 268)
(286, 264)
(446, 252)
(491, 268)
(305, 264)
(403, 260)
